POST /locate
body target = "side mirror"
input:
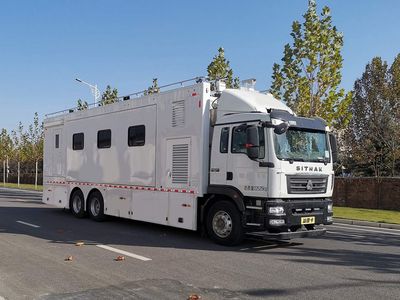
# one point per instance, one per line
(252, 142)
(333, 142)
(281, 128)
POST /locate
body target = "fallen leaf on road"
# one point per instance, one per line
(194, 297)
(79, 243)
(120, 258)
(69, 258)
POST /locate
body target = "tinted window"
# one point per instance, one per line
(223, 146)
(104, 138)
(262, 142)
(239, 140)
(57, 141)
(136, 135)
(78, 141)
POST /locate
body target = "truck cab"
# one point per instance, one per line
(276, 167)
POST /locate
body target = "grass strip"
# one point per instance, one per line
(30, 187)
(362, 214)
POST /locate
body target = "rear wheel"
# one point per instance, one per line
(96, 206)
(224, 224)
(77, 204)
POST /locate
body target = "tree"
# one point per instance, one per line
(18, 138)
(372, 137)
(394, 95)
(6, 144)
(109, 96)
(32, 141)
(6, 148)
(82, 105)
(219, 68)
(309, 76)
(153, 89)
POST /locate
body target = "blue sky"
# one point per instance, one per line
(45, 45)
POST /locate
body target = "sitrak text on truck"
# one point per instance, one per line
(230, 162)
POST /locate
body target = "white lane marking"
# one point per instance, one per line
(346, 234)
(28, 224)
(367, 230)
(364, 227)
(124, 252)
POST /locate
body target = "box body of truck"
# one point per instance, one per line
(148, 157)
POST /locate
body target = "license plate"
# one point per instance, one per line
(307, 220)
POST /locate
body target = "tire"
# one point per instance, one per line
(77, 204)
(96, 206)
(224, 224)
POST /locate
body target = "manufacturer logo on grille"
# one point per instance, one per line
(309, 169)
(309, 185)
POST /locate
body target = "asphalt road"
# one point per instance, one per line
(349, 262)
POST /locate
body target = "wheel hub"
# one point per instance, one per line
(95, 206)
(77, 204)
(222, 224)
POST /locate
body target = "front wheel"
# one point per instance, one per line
(224, 224)
(96, 207)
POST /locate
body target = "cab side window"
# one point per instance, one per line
(239, 139)
(224, 142)
(262, 142)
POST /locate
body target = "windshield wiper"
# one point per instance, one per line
(324, 160)
(291, 160)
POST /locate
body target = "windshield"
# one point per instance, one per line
(302, 145)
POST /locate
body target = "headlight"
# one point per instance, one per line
(330, 208)
(276, 210)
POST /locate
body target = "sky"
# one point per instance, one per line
(46, 44)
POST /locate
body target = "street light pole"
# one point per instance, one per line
(93, 88)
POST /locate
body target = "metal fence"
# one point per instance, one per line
(368, 192)
(24, 172)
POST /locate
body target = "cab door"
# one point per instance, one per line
(247, 175)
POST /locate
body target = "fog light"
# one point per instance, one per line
(329, 219)
(276, 210)
(276, 222)
(330, 208)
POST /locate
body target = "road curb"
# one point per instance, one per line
(366, 223)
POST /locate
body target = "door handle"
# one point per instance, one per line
(229, 175)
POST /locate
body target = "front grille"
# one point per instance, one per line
(307, 184)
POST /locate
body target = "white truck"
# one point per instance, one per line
(230, 162)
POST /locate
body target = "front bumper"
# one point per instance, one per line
(287, 235)
(288, 224)
(297, 209)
